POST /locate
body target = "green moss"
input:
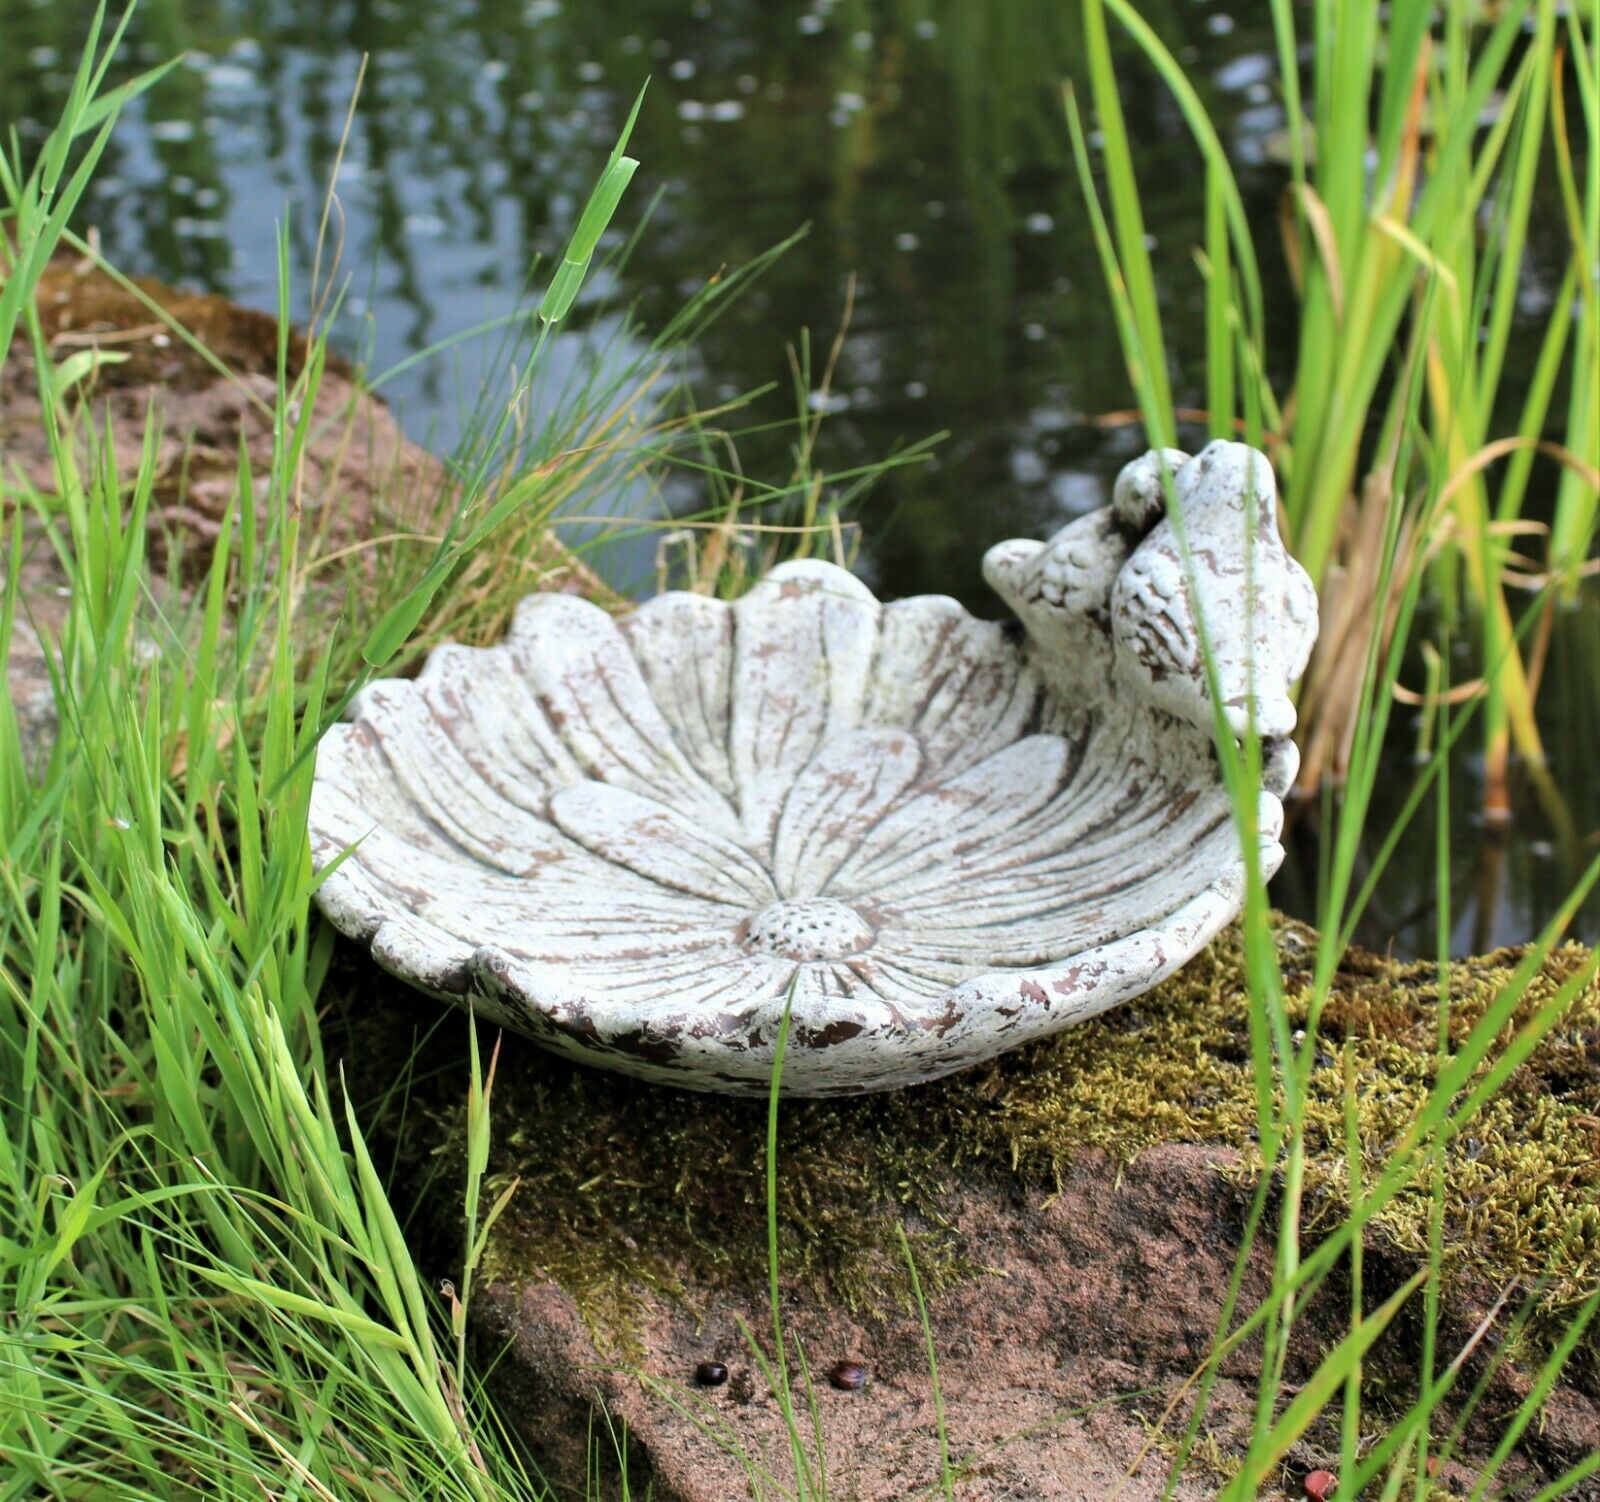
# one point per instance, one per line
(627, 1188)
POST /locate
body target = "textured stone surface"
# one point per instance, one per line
(1056, 1367)
(1046, 1366)
(1105, 1171)
(934, 837)
(33, 699)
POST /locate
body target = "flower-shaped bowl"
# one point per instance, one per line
(929, 837)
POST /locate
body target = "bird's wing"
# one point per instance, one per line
(1152, 617)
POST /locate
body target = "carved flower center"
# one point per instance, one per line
(809, 928)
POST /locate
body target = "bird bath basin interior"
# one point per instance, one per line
(930, 837)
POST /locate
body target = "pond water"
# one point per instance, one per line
(923, 142)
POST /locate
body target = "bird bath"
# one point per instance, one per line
(933, 838)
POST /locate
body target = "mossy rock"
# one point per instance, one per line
(628, 1191)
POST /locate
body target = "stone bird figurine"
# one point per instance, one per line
(1160, 590)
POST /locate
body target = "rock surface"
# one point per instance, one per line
(1074, 1210)
(1062, 1369)
(1097, 1301)
(33, 700)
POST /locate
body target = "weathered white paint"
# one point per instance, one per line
(634, 839)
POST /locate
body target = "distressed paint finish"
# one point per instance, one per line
(633, 840)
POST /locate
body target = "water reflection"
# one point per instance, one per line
(922, 140)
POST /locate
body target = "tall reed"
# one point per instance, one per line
(1384, 442)
(1428, 140)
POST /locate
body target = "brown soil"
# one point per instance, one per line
(82, 307)
(361, 475)
(361, 478)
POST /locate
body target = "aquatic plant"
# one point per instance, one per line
(1417, 158)
(1392, 374)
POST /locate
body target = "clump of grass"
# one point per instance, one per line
(207, 1285)
(1393, 379)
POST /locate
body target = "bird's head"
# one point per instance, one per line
(1185, 561)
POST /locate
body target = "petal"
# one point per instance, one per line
(416, 951)
(897, 984)
(1124, 845)
(827, 1002)
(1075, 796)
(425, 917)
(683, 644)
(1021, 930)
(718, 992)
(957, 954)
(558, 890)
(595, 695)
(819, 987)
(482, 699)
(597, 912)
(643, 936)
(355, 789)
(927, 833)
(716, 977)
(431, 772)
(960, 683)
(804, 643)
(660, 843)
(1030, 914)
(835, 804)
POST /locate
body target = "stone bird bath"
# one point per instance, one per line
(635, 839)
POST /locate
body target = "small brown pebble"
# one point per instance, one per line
(711, 1374)
(848, 1376)
(1320, 1485)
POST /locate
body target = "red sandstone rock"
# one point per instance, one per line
(1052, 1370)
(1059, 1370)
